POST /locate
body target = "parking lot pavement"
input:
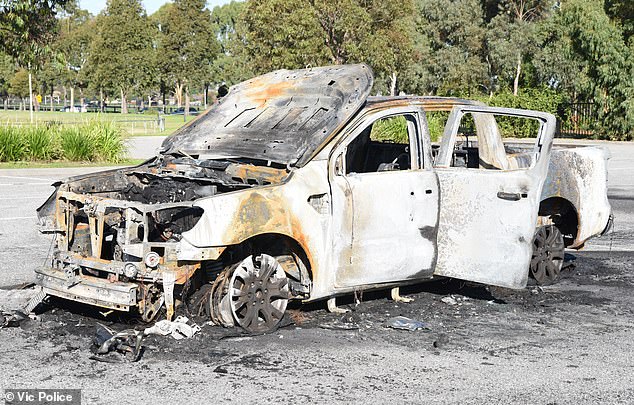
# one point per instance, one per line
(22, 247)
(144, 147)
(568, 343)
(621, 196)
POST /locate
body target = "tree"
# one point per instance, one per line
(7, 70)
(622, 12)
(376, 32)
(512, 36)
(282, 34)
(299, 33)
(158, 20)
(455, 33)
(585, 54)
(187, 46)
(27, 27)
(121, 57)
(19, 84)
(72, 48)
(230, 66)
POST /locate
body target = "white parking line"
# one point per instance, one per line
(25, 184)
(16, 218)
(27, 178)
(21, 198)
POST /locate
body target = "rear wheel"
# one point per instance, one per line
(548, 255)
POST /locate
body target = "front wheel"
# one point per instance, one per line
(548, 255)
(252, 294)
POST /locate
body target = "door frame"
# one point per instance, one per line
(421, 161)
(509, 218)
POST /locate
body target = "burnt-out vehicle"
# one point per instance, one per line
(299, 186)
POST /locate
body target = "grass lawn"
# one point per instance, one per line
(133, 124)
(65, 163)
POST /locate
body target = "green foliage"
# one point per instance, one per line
(282, 34)
(72, 48)
(298, 33)
(230, 66)
(76, 145)
(390, 130)
(622, 12)
(41, 143)
(186, 45)
(543, 99)
(596, 64)
(19, 84)
(530, 99)
(27, 27)
(108, 143)
(12, 144)
(454, 30)
(547, 52)
(436, 121)
(510, 39)
(122, 56)
(7, 68)
(94, 141)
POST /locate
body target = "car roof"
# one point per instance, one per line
(428, 103)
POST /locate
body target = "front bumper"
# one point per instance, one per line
(89, 290)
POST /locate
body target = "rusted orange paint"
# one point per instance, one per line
(260, 91)
(262, 174)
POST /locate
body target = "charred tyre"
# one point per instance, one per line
(548, 255)
(252, 294)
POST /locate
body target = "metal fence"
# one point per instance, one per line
(577, 120)
(108, 109)
(132, 126)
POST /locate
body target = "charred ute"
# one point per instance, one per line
(299, 186)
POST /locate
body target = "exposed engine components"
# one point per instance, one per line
(150, 301)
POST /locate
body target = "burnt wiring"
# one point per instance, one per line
(612, 232)
(185, 290)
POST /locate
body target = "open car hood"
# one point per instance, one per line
(284, 116)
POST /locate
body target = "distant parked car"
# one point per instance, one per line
(181, 111)
(75, 108)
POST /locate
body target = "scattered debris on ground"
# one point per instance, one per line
(178, 329)
(402, 322)
(349, 321)
(12, 319)
(117, 347)
(450, 300)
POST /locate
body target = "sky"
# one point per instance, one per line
(95, 6)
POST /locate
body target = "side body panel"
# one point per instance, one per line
(579, 175)
(481, 237)
(384, 223)
(299, 209)
(392, 235)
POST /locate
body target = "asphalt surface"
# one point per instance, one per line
(565, 344)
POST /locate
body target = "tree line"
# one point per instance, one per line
(542, 54)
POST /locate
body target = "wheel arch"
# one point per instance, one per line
(271, 243)
(563, 215)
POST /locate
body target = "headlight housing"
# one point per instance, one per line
(168, 224)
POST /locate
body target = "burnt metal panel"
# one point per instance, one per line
(283, 116)
(482, 235)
